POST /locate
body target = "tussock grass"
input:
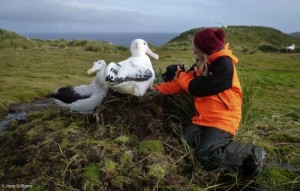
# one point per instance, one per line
(250, 105)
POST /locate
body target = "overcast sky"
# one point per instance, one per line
(23, 16)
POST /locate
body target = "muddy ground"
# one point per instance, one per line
(129, 143)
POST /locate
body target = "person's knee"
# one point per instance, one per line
(207, 157)
(192, 135)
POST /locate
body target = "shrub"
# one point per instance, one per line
(122, 48)
(80, 43)
(102, 47)
(17, 43)
(93, 47)
(267, 48)
(58, 43)
(249, 51)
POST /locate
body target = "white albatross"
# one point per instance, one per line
(83, 98)
(134, 75)
(290, 49)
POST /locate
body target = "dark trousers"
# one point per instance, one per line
(215, 149)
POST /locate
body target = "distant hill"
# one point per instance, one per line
(10, 39)
(4, 34)
(296, 34)
(243, 37)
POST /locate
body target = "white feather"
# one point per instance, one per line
(135, 74)
(87, 97)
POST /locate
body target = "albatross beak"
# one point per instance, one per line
(152, 54)
(92, 70)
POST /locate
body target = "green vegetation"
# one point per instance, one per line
(296, 34)
(136, 143)
(242, 38)
(150, 146)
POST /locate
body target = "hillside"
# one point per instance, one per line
(296, 34)
(12, 40)
(4, 34)
(9, 39)
(243, 37)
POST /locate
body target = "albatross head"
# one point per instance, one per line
(139, 47)
(97, 66)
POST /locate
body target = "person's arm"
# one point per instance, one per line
(169, 88)
(172, 87)
(218, 79)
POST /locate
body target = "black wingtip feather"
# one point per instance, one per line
(67, 95)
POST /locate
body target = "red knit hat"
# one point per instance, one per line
(209, 40)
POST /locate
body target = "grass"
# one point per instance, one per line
(142, 151)
(275, 75)
(28, 74)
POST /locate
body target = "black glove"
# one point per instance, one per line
(171, 71)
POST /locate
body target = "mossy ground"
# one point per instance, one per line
(128, 144)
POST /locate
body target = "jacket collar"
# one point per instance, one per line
(224, 52)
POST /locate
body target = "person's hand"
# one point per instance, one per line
(180, 68)
(193, 69)
(170, 72)
(152, 88)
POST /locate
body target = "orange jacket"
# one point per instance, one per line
(217, 96)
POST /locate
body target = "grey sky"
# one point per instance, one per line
(145, 16)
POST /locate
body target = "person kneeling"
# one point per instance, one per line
(214, 83)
